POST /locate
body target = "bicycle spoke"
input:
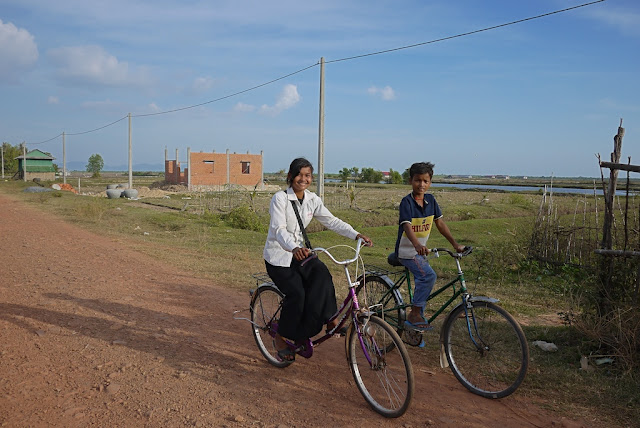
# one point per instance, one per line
(490, 360)
(265, 308)
(386, 382)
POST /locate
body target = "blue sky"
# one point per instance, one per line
(538, 98)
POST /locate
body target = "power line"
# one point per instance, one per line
(80, 133)
(102, 127)
(228, 96)
(46, 141)
(336, 60)
(465, 34)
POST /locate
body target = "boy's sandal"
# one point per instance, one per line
(420, 325)
(286, 355)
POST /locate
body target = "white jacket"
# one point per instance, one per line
(284, 232)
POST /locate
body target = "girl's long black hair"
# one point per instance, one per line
(294, 169)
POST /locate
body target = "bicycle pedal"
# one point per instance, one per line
(412, 337)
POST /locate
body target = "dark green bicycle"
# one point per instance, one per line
(484, 345)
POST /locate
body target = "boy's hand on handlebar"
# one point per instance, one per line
(460, 248)
(367, 241)
(301, 253)
(422, 250)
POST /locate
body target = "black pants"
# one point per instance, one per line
(310, 297)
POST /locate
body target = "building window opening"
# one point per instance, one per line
(212, 163)
(246, 167)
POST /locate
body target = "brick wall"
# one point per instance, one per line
(210, 169)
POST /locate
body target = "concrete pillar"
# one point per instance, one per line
(189, 168)
(228, 168)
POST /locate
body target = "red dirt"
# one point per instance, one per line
(96, 334)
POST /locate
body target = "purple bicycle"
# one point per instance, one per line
(378, 358)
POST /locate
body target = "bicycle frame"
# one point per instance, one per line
(405, 276)
(350, 309)
(462, 292)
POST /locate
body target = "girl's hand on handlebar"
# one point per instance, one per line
(460, 248)
(367, 241)
(301, 253)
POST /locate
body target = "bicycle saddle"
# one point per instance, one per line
(392, 259)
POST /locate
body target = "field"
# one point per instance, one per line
(201, 232)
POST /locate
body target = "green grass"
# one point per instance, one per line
(203, 236)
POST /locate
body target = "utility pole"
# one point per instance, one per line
(2, 149)
(24, 161)
(64, 160)
(130, 162)
(321, 134)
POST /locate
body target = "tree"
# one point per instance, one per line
(394, 177)
(370, 175)
(10, 154)
(354, 173)
(95, 165)
(345, 173)
(406, 177)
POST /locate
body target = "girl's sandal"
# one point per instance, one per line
(286, 355)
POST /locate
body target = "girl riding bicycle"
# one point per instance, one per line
(306, 282)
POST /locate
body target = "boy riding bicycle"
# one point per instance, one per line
(418, 211)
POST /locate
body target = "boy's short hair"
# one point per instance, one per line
(421, 168)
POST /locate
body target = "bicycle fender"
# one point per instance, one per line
(443, 360)
(483, 299)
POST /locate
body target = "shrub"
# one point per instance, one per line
(243, 217)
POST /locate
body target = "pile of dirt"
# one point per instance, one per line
(67, 187)
(145, 192)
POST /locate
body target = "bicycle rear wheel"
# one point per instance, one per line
(376, 291)
(386, 380)
(265, 313)
(496, 364)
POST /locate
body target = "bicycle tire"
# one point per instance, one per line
(378, 291)
(498, 367)
(265, 306)
(387, 384)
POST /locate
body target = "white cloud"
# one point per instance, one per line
(625, 20)
(387, 93)
(244, 107)
(18, 51)
(92, 64)
(53, 100)
(202, 84)
(288, 98)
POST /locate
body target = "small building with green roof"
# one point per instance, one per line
(36, 164)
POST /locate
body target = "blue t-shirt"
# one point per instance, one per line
(421, 220)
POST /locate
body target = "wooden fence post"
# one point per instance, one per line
(607, 263)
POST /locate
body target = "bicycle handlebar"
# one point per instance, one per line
(343, 262)
(467, 250)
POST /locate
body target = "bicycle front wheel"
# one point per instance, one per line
(381, 367)
(488, 354)
(265, 313)
(382, 300)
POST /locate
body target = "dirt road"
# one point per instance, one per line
(93, 333)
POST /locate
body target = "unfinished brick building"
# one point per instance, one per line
(215, 171)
